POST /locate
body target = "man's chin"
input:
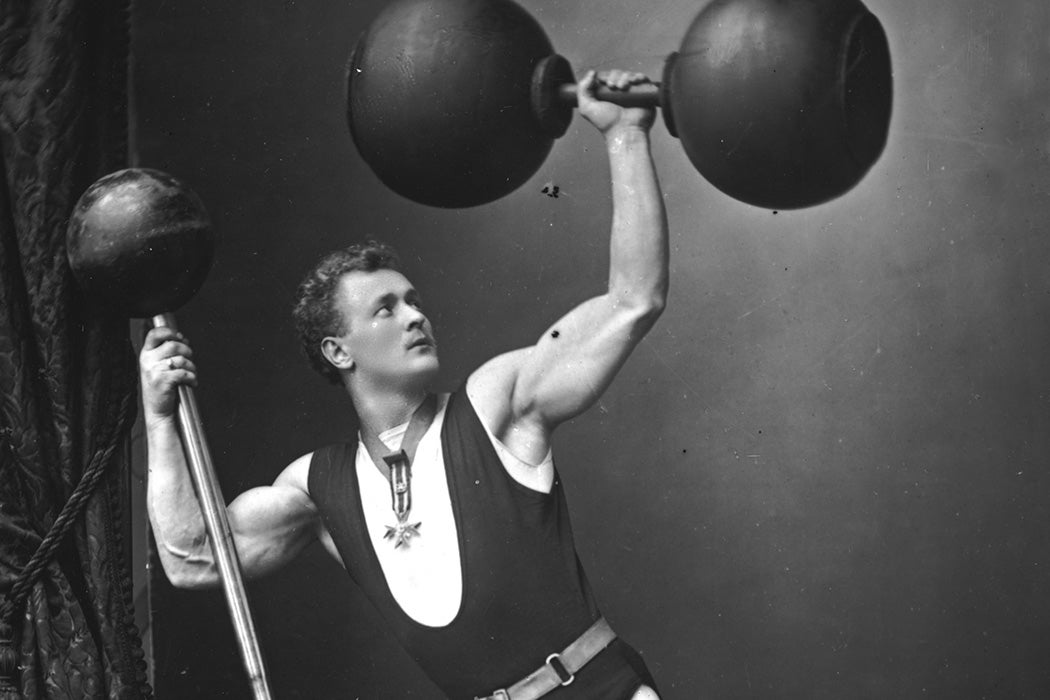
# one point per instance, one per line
(425, 369)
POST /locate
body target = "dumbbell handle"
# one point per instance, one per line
(642, 95)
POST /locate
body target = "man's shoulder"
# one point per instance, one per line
(490, 387)
(497, 376)
(491, 390)
(297, 473)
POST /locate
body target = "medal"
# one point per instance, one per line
(397, 468)
(400, 499)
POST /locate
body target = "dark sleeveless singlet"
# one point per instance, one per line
(525, 594)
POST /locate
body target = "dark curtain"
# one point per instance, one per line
(67, 371)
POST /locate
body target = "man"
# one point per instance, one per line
(447, 512)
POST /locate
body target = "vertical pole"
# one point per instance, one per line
(213, 508)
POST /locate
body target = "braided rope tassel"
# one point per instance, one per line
(8, 665)
(73, 508)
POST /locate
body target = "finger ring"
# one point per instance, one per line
(171, 363)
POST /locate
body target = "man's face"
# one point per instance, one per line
(386, 333)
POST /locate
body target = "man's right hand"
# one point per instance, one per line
(164, 363)
(607, 117)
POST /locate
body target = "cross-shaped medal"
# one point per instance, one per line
(401, 499)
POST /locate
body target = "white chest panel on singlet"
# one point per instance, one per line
(424, 577)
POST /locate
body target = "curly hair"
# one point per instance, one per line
(314, 311)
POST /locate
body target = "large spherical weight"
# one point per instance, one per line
(140, 242)
(439, 99)
(782, 103)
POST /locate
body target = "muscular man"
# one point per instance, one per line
(447, 511)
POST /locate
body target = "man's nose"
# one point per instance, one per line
(415, 317)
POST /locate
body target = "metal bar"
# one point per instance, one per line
(213, 508)
(644, 95)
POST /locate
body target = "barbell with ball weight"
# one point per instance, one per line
(140, 244)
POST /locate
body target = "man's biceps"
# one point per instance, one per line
(258, 511)
(269, 545)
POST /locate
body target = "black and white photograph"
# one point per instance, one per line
(521, 349)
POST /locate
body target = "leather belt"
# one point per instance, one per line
(560, 668)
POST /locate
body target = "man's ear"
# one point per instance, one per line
(337, 353)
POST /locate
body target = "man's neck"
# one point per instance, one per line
(379, 411)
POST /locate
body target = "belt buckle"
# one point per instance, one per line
(563, 673)
(500, 694)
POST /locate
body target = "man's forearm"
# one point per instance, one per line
(638, 247)
(174, 511)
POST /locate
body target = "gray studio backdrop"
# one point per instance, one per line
(822, 475)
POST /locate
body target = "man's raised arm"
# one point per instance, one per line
(270, 524)
(570, 366)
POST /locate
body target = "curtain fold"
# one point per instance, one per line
(67, 370)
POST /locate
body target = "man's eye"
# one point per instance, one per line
(383, 311)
